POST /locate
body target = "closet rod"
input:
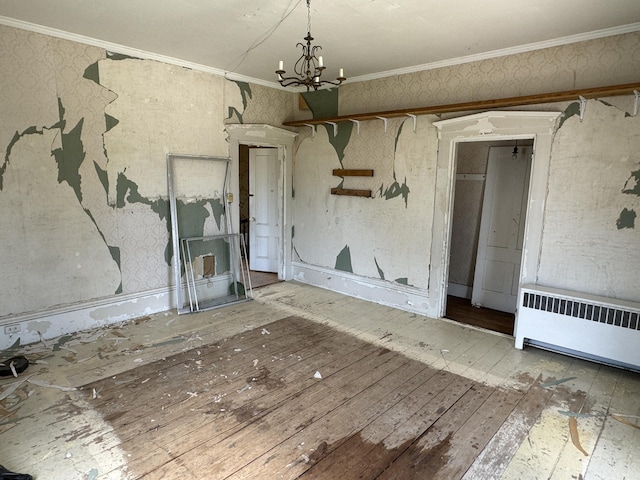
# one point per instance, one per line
(611, 91)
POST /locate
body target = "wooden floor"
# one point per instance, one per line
(461, 310)
(261, 279)
(231, 393)
(251, 407)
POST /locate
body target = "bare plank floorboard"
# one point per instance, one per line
(490, 463)
(230, 393)
(251, 407)
(238, 390)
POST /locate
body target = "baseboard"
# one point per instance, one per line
(374, 290)
(458, 290)
(68, 319)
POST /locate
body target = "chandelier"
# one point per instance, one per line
(308, 68)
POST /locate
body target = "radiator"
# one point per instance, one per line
(597, 328)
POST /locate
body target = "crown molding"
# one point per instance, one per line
(142, 54)
(582, 37)
(132, 52)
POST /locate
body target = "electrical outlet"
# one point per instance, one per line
(11, 329)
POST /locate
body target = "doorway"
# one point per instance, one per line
(259, 173)
(487, 232)
(243, 137)
(488, 126)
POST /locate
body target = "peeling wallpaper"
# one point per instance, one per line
(594, 164)
(390, 239)
(83, 183)
(381, 240)
(83, 174)
(264, 105)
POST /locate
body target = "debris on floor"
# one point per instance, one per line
(13, 366)
(575, 439)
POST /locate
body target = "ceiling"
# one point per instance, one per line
(245, 39)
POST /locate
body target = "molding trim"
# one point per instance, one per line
(491, 125)
(268, 136)
(133, 52)
(77, 317)
(557, 42)
(374, 290)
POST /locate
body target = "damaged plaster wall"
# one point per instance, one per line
(83, 176)
(373, 229)
(56, 250)
(388, 236)
(594, 182)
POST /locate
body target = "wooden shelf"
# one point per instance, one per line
(611, 91)
(345, 172)
(351, 192)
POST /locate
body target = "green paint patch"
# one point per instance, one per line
(115, 254)
(570, 111)
(245, 93)
(395, 145)
(103, 177)
(395, 190)
(402, 281)
(15, 346)
(191, 215)
(322, 103)
(16, 138)
(380, 272)
(341, 140)
(343, 260)
(632, 185)
(120, 56)
(110, 122)
(234, 111)
(626, 219)
(70, 157)
(92, 72)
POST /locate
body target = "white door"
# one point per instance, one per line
(264, 230)
(497, 274)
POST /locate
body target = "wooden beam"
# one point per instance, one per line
(351, 192)
(611, 91)
(352, 172)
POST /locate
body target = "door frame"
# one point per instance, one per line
(488, 126)
(259, 135)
